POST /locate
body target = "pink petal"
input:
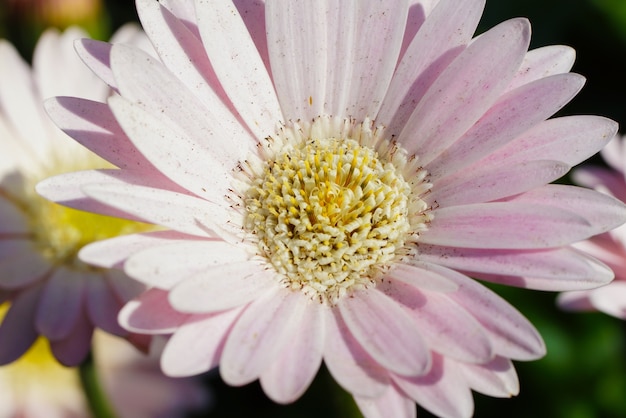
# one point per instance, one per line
(287, 378)
(21, 104)
(181, 50)
(113, 252)
(13, 219)
(611, 299)
(543, 62)
(72, 350)
(238, 65)
(103, 305)
(442, 391)
(23, 268)
(570, 139)
(96, 55)
(151, 313)
(123, 287)
(439, 41)
(601, 211)
(197, 345)
(553, 269)
(183, 213)
(505, 225)
(17, 331)
(361, 66)
(221, 287)
(511, 334)
(466, 89)
(577, 300)
(260, 336)
(189, 164)
(66, 189)
(164, 266)
(253, 15)
(420, 278)
(392, 403)
(513, 114)
(609, 181)
(61, 303)
(446, 327)
(497, 183)
(497, 378)
(93, 125)
(386, 332)
(349, 364)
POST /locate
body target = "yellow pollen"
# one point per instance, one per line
(330, 215)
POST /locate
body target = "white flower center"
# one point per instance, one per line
(329, 212)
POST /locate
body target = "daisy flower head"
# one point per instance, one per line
(609, 247)
(329, 176)
(52, 293)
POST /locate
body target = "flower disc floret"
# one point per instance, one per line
(329, 214)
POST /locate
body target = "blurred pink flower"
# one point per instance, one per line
(329, 173)
(609, 247)
(52, 293)
(38, 386)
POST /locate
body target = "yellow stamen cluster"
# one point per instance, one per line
(330, 215)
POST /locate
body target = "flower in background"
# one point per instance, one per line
(609, 247)
(37, 386)
(327, 193)
(52, 293)
(60, 13)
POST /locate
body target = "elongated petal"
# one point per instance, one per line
(560, 269)
(442, 391)
(220, 287)
(610, 299)
(259, 336)
(181, 50)
(113, 252)
(238, 65)
(421, 279)
(66, 189)
(512, 115)
(511, 333)
(507, 226)
(544, 62)
(603, 212)
(497, 378)
(183, 213)
(151, 313)
(348, 363)
(570, 139)
(386, 332)
(24, 268)
(13, 220)
(392, 403)
(97, 56)
(72, 350)
(193, 165)
(61, 303)
(446, 327)
(103, 305)
(197, 345)
(466, 89)
(93, 125)
(498, 183)
(287, 378)
(439, 40)
(17, 331)
(166, 265)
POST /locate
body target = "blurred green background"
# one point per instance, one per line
(584, 373)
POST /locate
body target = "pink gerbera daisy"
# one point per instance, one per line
(330, 174)
(52, 293)
(609, 247)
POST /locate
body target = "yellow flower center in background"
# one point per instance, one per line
(60, 232)
(329, 214)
